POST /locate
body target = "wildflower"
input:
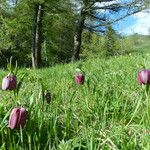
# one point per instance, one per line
(17, 118)
(9, 82)
(47, 96)
(144, 76)
(79, 78)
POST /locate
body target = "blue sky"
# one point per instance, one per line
(125, 24)
(138, 23)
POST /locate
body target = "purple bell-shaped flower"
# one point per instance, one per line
(79, 77)
(47, 96)
(144, 76)
(17, 118)
(9, 82)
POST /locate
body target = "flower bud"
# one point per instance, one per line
(9, 82)
(79, 78)
(47, 96)
(17, 118)
(144, 77)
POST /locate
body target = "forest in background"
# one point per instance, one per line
(47, 30)
(96, 104)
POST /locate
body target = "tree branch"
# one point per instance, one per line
(118, 19)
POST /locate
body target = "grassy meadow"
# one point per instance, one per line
(110, 111)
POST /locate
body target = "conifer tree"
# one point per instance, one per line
(110, 45)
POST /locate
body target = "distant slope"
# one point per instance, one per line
(136, 44)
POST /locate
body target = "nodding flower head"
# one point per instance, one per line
(17, 118)
(79, 78)
(47, 95)
(9, 82)
(144, 76)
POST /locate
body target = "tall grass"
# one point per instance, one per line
(110, 111)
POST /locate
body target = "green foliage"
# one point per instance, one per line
(110, 46)
(59, 36)
(16, 32)
(104, 113)
(92, 45)
(134, 43)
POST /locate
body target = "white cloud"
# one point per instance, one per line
(141, 25)
(102, 4)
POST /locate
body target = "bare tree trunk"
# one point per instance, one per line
(37, 36)
(78, 37)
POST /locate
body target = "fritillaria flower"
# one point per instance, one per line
(17, 118)
(144, 76)
(9, 82)
(47, 96)
(79, 78)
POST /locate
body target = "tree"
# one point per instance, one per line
(41, 33)
(110, 45)
(37, 34)
(96, 15)
(45, 27)
(59, 33)
(92, 45)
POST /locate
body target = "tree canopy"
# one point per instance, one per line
(41, 32)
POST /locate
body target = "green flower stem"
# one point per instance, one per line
(147, 100)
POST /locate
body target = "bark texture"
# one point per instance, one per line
(37, 36)
(78, 37)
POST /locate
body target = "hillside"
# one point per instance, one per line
(138, 43)
(110, 111)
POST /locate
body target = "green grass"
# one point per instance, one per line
(110, 111)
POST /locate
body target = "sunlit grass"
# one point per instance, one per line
(110, 111)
